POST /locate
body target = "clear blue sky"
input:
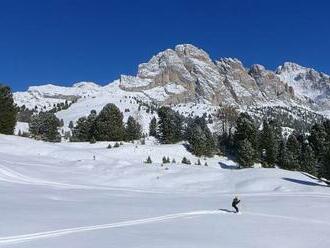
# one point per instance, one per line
(65, 41)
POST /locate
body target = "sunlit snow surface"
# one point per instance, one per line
(57, 195)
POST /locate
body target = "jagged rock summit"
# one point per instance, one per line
(196, 77)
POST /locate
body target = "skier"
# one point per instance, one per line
(235, 202)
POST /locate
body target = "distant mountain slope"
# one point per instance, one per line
(186, 76)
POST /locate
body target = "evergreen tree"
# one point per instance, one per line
(133, 130)
(148, 161)
(164, 160)
(200, 138)
(85, 128)
(293, 152)
(317, 140)
(153, 127)
(8, 111)
(185, 161)
(282, 159)
(246, 153)
(71, 124)
(268, 144)
(92, 140)
(169, 126)
(45, 126)
(307, 162)
(245, 138)
(325, 165)
(81, 131)
(109, 124)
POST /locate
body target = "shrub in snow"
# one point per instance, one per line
(164, 160)
(185, 161)
(173, 161)
(109, 146)
(116, 145)
(93, 140)
(148, 161)
(198, 162)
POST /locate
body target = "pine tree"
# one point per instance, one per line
(325, 165)
(268, 144)
(109, 124)
(133, 130)
(317, 140)
(45, 126)
(245, 139)
(92, 140)
(169, 126)
(8, 111)
(293, 152)
(246, 153)
(164, 160)
(185, 161)
(71, 124)
(153, 127)
(308, 162)
(85, 128)
(282, 159)
(148, 161)
(200, 138)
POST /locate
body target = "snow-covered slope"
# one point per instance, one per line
(45, 96)
(307, 82)
(56, 195)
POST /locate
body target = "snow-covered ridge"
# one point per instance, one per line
(306, 82)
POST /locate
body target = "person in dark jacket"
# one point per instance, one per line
(235, 203)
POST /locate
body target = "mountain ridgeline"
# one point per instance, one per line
(188, 74)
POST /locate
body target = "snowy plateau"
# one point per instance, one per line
(81, 195)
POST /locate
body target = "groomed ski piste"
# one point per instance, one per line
(57, 195)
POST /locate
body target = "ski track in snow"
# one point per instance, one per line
(61, 232)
